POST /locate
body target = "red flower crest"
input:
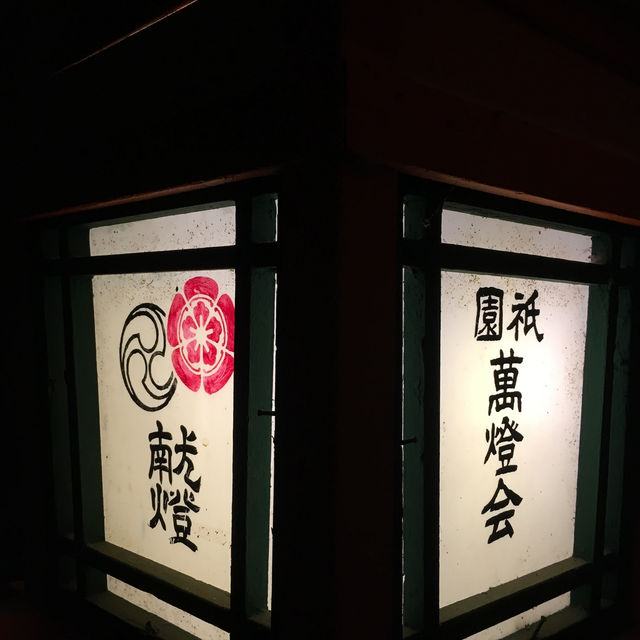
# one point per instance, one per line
(200, 328)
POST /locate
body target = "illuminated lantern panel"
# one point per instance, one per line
(165, 363)
(210, 227)
(164, 350)
(197, 627)
(520, 621)
(471, 230)
(512, 358)
(510, 424)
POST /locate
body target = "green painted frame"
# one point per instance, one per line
(67, 270)
(596, 573)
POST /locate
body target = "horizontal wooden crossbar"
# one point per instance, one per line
(483, 610)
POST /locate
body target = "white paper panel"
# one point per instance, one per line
(199, 628)
(549, 380)
(491, 233)
(136, 491)
(530, 617)
(214, 227)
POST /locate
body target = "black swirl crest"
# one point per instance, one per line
(144, 337)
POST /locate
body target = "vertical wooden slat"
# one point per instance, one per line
(590, 427)
(84, 426)
(629, 587)
(74, 447)
(240, 417)
(87, 408)
(413, 451)
(412, 382)
(259, 437)
(605, 436)
(431, 351)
